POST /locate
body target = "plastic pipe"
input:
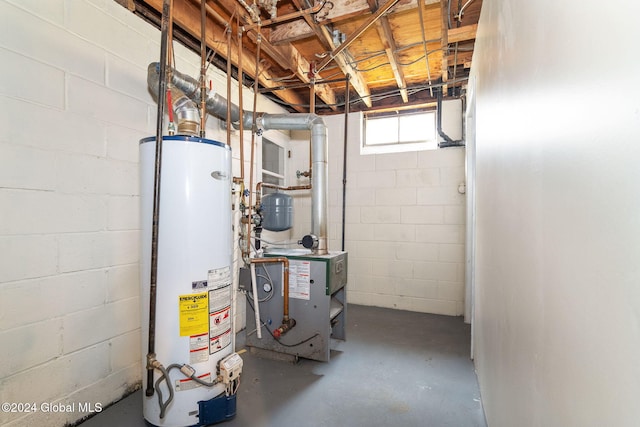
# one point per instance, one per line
(256, 303)
(235, 277)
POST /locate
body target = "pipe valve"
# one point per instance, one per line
(287, 325)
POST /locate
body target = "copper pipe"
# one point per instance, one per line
(312, 110)
(277, 187)
(203, 66)
(287, 322)
(229, 95)
(280, 187)
(247, 250)
(240, 80)
(218, 17)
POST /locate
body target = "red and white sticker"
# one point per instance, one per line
(189, 384)
(198, 348)
(217, 343)
(299, 279)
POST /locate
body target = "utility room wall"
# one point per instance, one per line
(74, 102)
(405, 219)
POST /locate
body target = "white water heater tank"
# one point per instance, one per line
(193, 302)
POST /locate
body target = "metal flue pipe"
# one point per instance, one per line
(217, 106)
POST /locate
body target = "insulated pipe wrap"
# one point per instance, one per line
(216, 104)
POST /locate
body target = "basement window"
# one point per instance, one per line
(272, 164)
(393, 132)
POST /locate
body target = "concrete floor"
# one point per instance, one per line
(396, 368)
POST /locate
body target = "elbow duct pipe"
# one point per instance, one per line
(187, 114)
(448, 142)
(217, 106)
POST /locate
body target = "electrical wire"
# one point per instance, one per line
(378, 96)
(165, 377)
(282, 242)
(461, 11)
(266, 277)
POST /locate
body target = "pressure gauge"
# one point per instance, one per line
(266, 287)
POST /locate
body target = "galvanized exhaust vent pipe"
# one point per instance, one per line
(217, 106)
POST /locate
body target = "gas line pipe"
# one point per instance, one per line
(287, 322)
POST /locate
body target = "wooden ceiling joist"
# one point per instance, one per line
(444, 43)
(291, 59)
(287, 56)
(417, 46)
(299, 29)
(324, 36)
(187, 16)
(461, 34)
(390, 48)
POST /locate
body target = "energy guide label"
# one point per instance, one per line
(194, 315)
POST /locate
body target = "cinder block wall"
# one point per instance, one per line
(405, 220)
(74, 102)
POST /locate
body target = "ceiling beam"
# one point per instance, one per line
(187, 16)
(463, 58)
(357, 33)
(461, 34)
(444, 43)
(326, 39)
(390, 48)
(288, 57)
(342, 10)
(357, 81)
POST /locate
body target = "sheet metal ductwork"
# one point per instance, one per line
(217, 106)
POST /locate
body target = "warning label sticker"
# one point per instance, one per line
(219, 277)
(220, 322)
(220, 298)
(194, 314)
(299, 279)
(217, 343)
(219, 319)
(199, 348)
(188, 384)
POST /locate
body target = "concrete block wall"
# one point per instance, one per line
(405, 220)
(74, 104)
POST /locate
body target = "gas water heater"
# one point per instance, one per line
(198, 380)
